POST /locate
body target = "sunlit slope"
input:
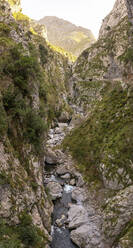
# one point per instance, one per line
(67, 35)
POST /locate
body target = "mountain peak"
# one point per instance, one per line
(67, 35)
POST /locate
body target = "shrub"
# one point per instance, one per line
(127, 56)
(25, 234)
(4, 29)
(3, 121)
(8, 238)
(21, 83)
(20, 67)
(29, 234)
(43, 54)
(13, 102)
(35, 128)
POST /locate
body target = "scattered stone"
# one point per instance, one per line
(73, 182)
(66, 176)
(60, 222)
(55, 190)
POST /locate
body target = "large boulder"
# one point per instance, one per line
(79, 194)
(51, 157)
(87, 236)
(55, 190)
(77, 215)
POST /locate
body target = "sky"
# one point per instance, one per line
(85, 13)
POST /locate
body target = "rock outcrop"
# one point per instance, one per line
(118, 12)
(33, 77)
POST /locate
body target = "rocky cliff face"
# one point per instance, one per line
(102, 143)
(33, 96)
(119, 11)
(67, 35)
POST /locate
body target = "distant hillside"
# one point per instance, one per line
(64, 34)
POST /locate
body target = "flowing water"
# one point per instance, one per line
(61, 236)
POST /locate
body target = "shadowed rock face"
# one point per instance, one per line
(64, 34)
(129, 5)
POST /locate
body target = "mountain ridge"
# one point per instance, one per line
(64, 34)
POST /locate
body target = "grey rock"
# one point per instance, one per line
(87, 236)
(119, 11)
(80, 181)
(62, 170)
(79, 194)
(66, 176)
(118, 213)
(51, 157)
(77, 215)
(55, 190)
(72, 182)
(58, 130)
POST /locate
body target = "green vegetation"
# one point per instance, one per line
(35, 128)
(106, 137)
(3, 121)
(22, 68)
(127, 56)
(33, 125)
(3, 178)
(130, 235)
(43, 54)
(65, 53)
(25, 234)
(19, 16)
(4, 29)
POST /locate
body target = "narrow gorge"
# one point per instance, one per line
(66, 135)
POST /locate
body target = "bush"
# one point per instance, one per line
(25, 234)
(4, 29)
(8, 237)
(21, 68)
(43, 54)
(3, 121)
(13, 102)
(35, 128)
(127, 56)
